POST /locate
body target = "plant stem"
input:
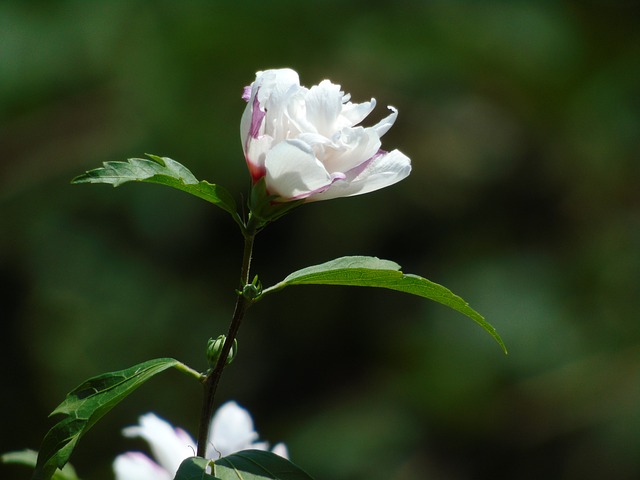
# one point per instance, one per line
(213, 377)
(181, 367)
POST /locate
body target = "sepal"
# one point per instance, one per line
(214, 349)
(264, 207)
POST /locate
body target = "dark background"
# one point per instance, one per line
(522, 120)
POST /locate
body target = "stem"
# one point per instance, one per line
(181, 367)
(212, 378)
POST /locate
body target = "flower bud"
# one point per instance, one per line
(251, 291)
(214, 349)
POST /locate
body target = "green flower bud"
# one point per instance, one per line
(253, 290)
(214, 349)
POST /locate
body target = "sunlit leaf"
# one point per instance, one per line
(85, 405)
(257, 465)
(194, 468)
(161, 170)
(374, 272)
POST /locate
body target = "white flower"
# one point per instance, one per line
(231, 430)
(306, 142)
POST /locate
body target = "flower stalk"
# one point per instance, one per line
(243, 302)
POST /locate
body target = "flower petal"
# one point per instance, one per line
(274, 84)
(169, 446)
(267, 93)
(382, 171)
(324, 104)
(354, 146)
(231, 430)
(354, 113)
(293, 171)
(281, 449)
(137, 466)
(386, 123)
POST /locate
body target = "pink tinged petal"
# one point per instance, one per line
(169, 446)
(137, 466)
(257, 117)
(246, 93)
(268, 87)
(254, 144)
(246, 121)
(324, 104)
(255, 156)
(381, 171)
(355, 146)
(293, 171)
(251, 123)
(231, 430)
(386, 123)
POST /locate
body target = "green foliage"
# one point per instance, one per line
(244, 465)
(164, 171)
(85, 405)
(194, 468)
(257, 465)
(374, 272)
(29, 458)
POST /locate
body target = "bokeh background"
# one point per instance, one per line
(523, 123)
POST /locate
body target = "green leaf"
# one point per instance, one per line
(194, 468)
(85, 405)
(374, 272)
(164, 171)
(257, 465)
(29, 458)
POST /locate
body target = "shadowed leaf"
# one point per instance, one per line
(194, 468)
(257, 465)
(85, 405)
(29, 458)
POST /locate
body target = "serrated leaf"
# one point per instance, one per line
(85, 405)
(374, 272)
(257, 465)
(161, 170)
(29, 458)
(194, 468)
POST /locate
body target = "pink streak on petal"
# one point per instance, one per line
(246, 93)
(354, 172)
(334, 178)
(257, 116)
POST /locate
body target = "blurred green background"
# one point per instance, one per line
(522, 120)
